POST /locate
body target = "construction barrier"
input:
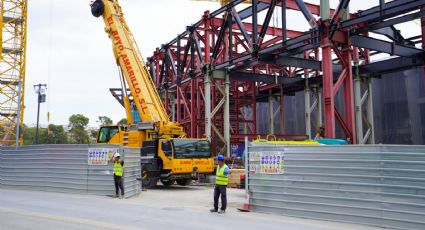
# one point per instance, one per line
(380, 185)
(81, 169)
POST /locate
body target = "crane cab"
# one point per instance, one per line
(119, 135)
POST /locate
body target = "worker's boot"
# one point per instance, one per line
(221, 211)
(213, 210)
(115, 196)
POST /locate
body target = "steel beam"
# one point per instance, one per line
(298, 62)
(266, 23)
(384, 46)
(306, 12)
(376, 69)
(337, 17)
(389, 22)
(392, 9)
(392, 33)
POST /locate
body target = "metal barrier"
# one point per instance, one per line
(81, 169)
(378, 185)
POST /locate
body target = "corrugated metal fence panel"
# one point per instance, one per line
(377, 185)
(132, 173)
(100, 180)
(45, 167)
(64, 168)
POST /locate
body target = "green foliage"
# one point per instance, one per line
(104, 120)
(78, 121)
(78, 132)
(29, 135)
(93, 135)
(77, 129)
(123, 121)
(56, 135)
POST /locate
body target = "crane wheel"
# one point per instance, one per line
(147, 181)
(97, 8)
(167, 182)
(184, 182)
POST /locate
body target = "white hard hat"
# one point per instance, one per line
(117, 155)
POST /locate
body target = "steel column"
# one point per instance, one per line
(226, 117)
(423, 38)
(271, 113)
(328, 89)
(179, 99)
(307, 109)
(173, 106)
(349, 95)
(207, 83)
(370, 135)
(18, 117)
(319, 107)
(193, 117)
(358, 104)
(282, 110)
(324, 9)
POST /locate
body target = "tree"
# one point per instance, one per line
(93, 135)
(104, 120)
(123, 121)
(29, 135)
(56, 135)
(78, 121)
(77, 129)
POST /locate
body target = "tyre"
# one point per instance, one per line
(184, 182)
(167, 182)
(147, 181)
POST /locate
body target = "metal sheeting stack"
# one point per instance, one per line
(65, 168)
(379, 185)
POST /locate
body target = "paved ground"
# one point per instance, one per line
(174, 208)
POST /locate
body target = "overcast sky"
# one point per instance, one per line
(68, 50)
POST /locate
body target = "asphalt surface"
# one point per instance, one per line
(162, 208)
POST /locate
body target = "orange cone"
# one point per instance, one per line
(246, 207)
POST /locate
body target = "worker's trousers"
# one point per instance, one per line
(119, 184)
(220, 190)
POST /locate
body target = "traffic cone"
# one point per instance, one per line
(246, 207)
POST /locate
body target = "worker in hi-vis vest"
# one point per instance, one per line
(221, 181)
(118, 173)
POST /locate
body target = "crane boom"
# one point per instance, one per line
(165, 154)
(130, 61)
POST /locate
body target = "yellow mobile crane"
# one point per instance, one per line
(165, 154)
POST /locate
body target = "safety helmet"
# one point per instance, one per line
(117, 155)
(220, 158)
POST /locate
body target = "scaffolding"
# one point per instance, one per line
(12, 70)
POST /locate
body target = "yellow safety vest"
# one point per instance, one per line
(220, 178)
(118, 169)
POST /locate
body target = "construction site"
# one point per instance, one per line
(232, 114)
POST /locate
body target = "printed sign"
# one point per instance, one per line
(254, 156)
(100, 156)
(272, 163)
(253, 169)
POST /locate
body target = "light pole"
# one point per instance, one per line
(40, 90)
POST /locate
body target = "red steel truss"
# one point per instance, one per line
(218, 69)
